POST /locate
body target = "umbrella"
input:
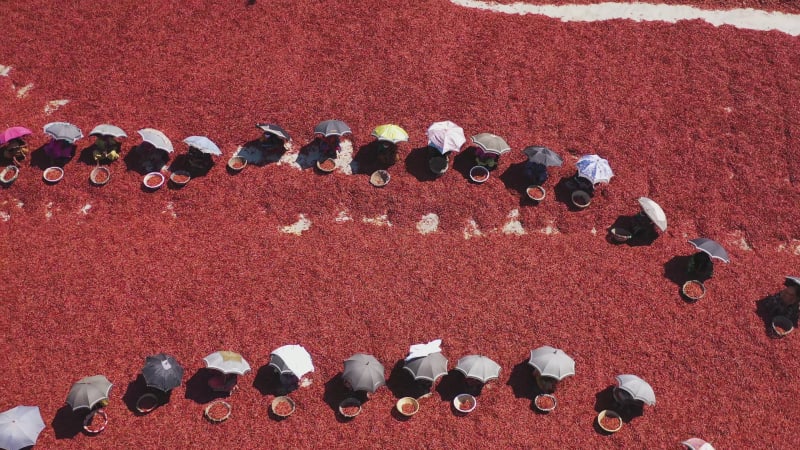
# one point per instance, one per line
(391, 133)
(13, 133)
(227, 362)
(162, 372)
(637, 388)
(429, 367)
(363, 373)
(544, 156)
(654, 212)
(332, 128)
(795, 280)
(697, 444)
(446, 136)
(108, 130)
(594, 169)
(20, 427)
(63, 131)
(275, 130)
(552, 362)
(491, 143)
(203, 144)
(291, 359)
(88, 392)
(711, 248)
(478, 367)
(158, 139)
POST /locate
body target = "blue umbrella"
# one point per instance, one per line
(594, 169)
(203, 144)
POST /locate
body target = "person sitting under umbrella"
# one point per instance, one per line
(269, 141)
(106, 149)
(330, 146)
(16, 150)
(642, 226)
(486, 159)
(536, 173)
(700, 266)
(198, 162)
(787, 302)
(59, 150)
(386, 154)
(223, 382)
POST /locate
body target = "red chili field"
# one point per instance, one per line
(702, 119)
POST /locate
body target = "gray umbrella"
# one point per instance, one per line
(795, 280)
(363, 373)
(88, 392)
(429, 367)
(478, 367)
(157, 139)
(162, 372)
(332, 128)
(552, 362)
(491, 143)
(544, 156)
(711, 248)
(638, 388)
(108, 130)
(274, 130)
(20, 427)
(63, 131)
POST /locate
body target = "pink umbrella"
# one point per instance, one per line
(13, 133)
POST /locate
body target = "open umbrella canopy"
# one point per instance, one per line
(227, 362)
(711, 248)
(332, 128)
(552, 362)
(275, 130)
(390, 133)
(491, 143)
(652, 210)
(291, 359)
(638, 388)
(363, 373)
(429, 367)
(13, 133)
(63, 131)
(88, 392)
(162, 372)
(108, 130)
(203, 144)
(478, 367)
(20, 427)
(446, 136)
(544, 156)
(594, 169)
(697, 444)
(157, 139)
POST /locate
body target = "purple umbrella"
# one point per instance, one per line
(13, 133)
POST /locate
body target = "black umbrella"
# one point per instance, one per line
(711, 248)
(162, 372)
(275, 130)
(544, 156)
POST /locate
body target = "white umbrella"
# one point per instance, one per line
(594, 169)
(20, 427)
(446, 136)
(637, 388)
(652, 210)
(478, 367)
(291, 359)
(108, 130)
(88, 392)
(203, 144)
(552, 362)
(158, 139)
(697, 444)
(227, 362)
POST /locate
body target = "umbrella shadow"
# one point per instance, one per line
(255, 152)
(39, 158)
(522, 382)
(417, 163)
(198, 390)
(514, 178)
(181, 162)
(455, 383)
(144, 158)
(402, 384)
(136, 389)
(675, 269)
(268, 381)
(309, 154)
(67, 424)
(464, 161)
(605, 400)
(365, 161)
(563, 192)
(336, 391)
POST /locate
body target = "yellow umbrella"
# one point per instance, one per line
(391, 133)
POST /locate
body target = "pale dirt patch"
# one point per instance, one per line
(471, 230)
(5, 70)
(54, 105)
(4, 216)
(48, 210)
(343, 217)
(739, 240)
(85, 209)
(23, 91)
(428, 224)
(552, 229)
(297, 228)
(514, 226)
(169, 208)
(306, 382)
(382, 220)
